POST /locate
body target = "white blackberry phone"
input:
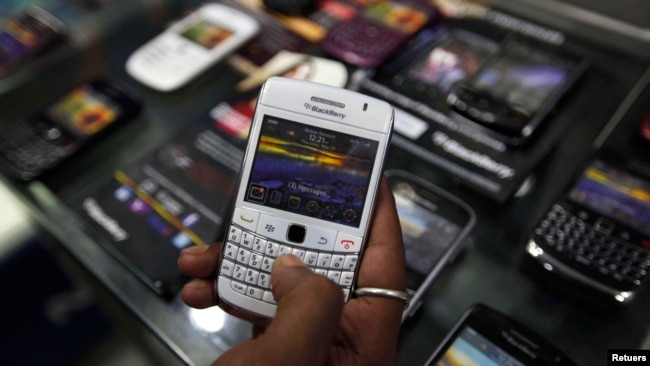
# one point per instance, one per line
(190, 46)
(307, 187)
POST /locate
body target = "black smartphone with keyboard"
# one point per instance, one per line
(37, 144)
(598, 233)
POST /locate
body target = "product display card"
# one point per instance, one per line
(482, 102)
(174, 198)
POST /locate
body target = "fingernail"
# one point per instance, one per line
(195, 250)
(197, 284)
(289, 260)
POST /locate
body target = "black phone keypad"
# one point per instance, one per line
(592, 250)
(30, 149)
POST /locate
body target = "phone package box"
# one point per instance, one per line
(173, 198)
(419, 81)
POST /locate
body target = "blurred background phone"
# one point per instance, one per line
(39, 143)
(435, 226)
(26, 36)
(377, 31)
(191, 46)
(456, 55)
(291, 7)
(515, 89)
(598, 233)
(485, 336)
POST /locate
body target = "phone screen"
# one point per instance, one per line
(84, 112)
(452, 60)
(399, 17)
(206, 34)
(616, 194)
(472, 348)
(21, 37)
(311, 171)
(427, 229)
(523, 77)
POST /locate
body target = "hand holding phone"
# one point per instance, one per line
(435, 225)
(484, 336)
(39, 143)
(191, 46)
(307, 187)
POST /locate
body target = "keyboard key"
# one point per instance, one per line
(350, 263)
(268, 297)
(267, 264)
(247, 240)
(234, 234)
(238, 287)
(272, 249)
(264, 280)
(255, 292)
(337, 262)
(252, 276)
(227, 267)
(324, 260)
(243, 256)
(311, 258)
(239, 273)
(346, 279)
(231, 251)
(334, 276)
(256, 260)
(259, 245)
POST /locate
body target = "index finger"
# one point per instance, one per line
(383, 263)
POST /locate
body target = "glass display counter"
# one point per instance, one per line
(492, 269)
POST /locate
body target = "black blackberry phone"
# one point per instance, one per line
(34, 145)
(485, 336)
(27, 36)
(514, 91)
(598, 233)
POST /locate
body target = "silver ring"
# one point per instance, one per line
(384, 292)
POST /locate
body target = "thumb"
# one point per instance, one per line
(305, 323)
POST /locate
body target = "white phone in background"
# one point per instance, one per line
(190, 46)
(307, 187)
